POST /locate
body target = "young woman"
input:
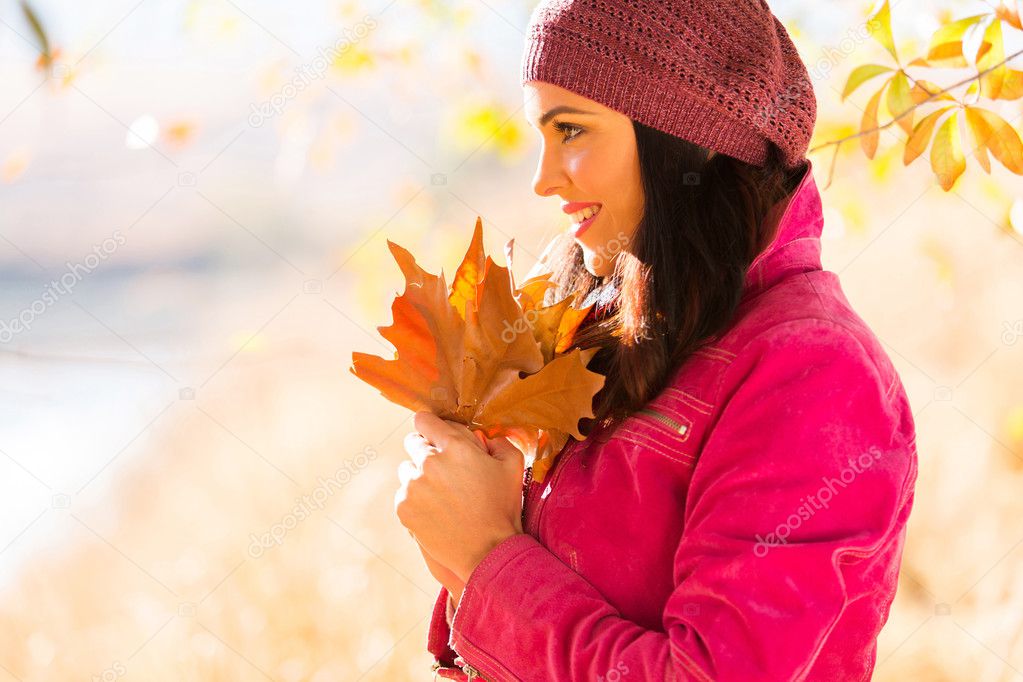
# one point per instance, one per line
(737, 509)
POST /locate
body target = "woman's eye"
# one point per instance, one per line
(564, 128)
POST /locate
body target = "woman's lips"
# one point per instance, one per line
(578, 229)
(575, 206)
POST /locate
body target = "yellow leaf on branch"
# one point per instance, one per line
(1009, 14)
(861, 75)
(880, 26)
(992, 56)
(900, 101)
(1012, 85)
(979, 133)
(921, 137)
(998, 136)
(946, 48)
(868, 124)
(947, 158)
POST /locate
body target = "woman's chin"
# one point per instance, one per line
(597, 267)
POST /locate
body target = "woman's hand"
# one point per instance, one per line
(442, 574)
(460, 494)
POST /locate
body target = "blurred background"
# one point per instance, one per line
(195, 198)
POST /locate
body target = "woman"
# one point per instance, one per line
(737, 509)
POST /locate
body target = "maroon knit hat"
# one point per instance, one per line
(721, 74)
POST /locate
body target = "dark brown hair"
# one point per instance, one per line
(678, 281)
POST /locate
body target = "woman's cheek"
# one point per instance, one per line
(585, 167)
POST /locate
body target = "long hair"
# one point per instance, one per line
(678, 281)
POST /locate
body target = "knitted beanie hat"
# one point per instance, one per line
(722, 74)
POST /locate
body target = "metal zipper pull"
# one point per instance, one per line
(668, 421)
(525, 492)
(470, 672)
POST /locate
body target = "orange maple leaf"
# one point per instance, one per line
(487, 354)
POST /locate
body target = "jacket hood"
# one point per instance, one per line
(796, 246)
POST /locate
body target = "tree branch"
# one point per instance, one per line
(838, 143)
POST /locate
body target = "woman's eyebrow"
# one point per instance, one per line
(563, 109)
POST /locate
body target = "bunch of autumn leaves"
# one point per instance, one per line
(487, 354)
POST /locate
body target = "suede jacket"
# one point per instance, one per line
(747, 524)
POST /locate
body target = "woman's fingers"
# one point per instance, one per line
(477, 436)
(407, 470)
(443, 433)
(433, 428)
(417, 447)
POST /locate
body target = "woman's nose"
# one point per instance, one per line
(550, 177)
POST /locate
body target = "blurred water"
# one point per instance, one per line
(73, 396)
(82, 387)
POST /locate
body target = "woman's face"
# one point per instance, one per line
(589, 160)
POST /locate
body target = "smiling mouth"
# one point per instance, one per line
(581, 220)
(580, 216)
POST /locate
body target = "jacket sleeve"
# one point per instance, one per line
(440, 631)
(758, 587)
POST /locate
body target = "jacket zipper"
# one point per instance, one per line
(552, 475)
(525, 492)
(472, 673)
(664, 419)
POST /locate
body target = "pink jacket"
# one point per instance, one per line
(748, 524)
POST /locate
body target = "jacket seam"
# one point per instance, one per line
(756, 268)
(490, 660)
(711, 353)
(848, 332)
(721, 350)
(436, 629)
(654, 448)
(859, 552)
(692, 401)
(820, 299)
(805, 668)
(688, 662)
(837, 560)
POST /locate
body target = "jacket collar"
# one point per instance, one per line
(796, 246)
